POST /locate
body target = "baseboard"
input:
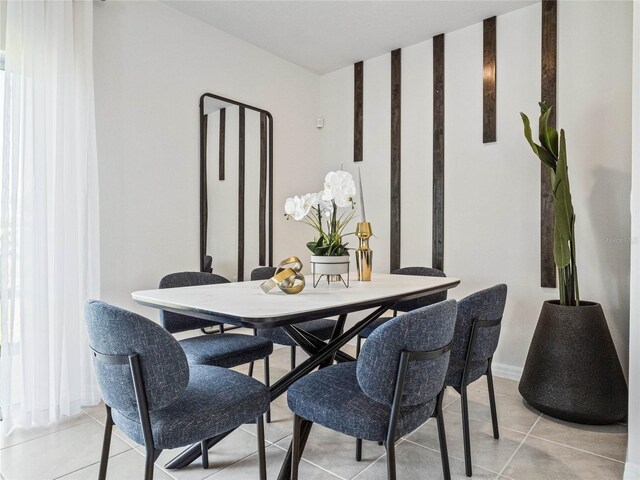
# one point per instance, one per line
(506, 371)
(631, 471)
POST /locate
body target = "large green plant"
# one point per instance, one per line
(552, 151)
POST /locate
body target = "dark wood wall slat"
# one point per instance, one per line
(270, 190)
(241, 185)
(222, 143)
(358, 95)
(489, 81)
(204, 204)
(548, 95)
(395, 227)
(437, 251)
(262, 207)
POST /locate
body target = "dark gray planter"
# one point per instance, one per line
(572, 370)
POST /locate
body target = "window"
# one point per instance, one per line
(1, 154)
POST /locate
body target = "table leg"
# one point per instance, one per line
(323, 356)
(311, 344)
(328, 351)
(192, 453)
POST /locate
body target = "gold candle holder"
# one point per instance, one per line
(364, 255)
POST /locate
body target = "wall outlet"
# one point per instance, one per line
(319, 122)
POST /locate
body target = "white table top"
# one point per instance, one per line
(245, 302)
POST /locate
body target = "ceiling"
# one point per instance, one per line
(324, 36)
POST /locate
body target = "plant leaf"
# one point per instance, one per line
(563, 209)
(547, 135)
(540, 152)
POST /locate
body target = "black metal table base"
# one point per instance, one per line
(321, 354)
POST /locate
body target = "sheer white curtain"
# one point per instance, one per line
(49, 245)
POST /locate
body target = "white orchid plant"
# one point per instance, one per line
(320, 211)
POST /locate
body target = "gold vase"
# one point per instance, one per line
(364, 255)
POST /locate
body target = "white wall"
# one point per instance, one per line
(492, 212)
(152, 63)
(632, 468)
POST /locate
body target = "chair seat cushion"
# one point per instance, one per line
(368, 330)
(321, 328)
(332, 397)
(216, 400)
(225, 349)
(456, 369)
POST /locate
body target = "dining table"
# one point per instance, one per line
(244, 304)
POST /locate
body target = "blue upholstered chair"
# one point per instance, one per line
(219, 350)
(321, 328)
(395, 386)
(155, 397)
(407, 305)
(475, 341)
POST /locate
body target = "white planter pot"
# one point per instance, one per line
(321, 265)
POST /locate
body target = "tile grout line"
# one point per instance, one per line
(519, 446)
(45, 434)
(578, 449)
(214, 473)
(311, 463)
(160, 467)
(438, 452)
(488, 422)
(270, 442)
(90, 465)
(376, 460)
(89, 419)
(451, 456)
(255, 453)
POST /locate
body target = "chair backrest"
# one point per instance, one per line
(409, 305)
(176, 322)
(426, 329)
(165, 371)
(485, 305)
(263, 273)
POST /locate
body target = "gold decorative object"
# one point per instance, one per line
(364, 255)
(287, 277)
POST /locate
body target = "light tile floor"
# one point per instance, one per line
(531, 446)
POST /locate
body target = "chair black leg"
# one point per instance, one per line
(293, 358)
(261, 454)
(358, 345)
(106, 444)
(267, 383)
(492, 403)
(464, 403)
(150, 460)
(205, 454)
(391, 460)
(358, 449)
(255, 333)
(295, 454)
(442, 438)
